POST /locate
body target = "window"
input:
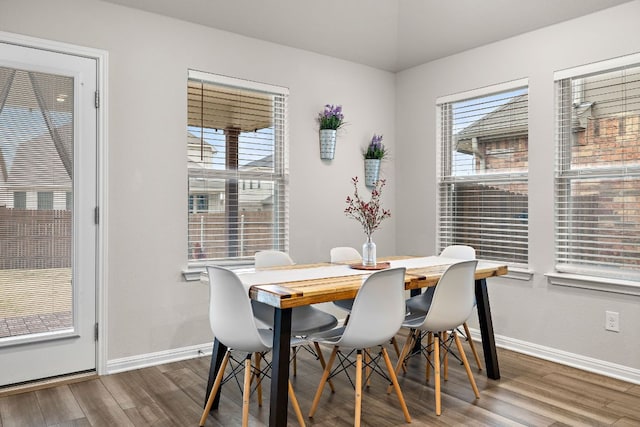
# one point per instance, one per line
(236, 137)
(483, 172)
(20, 199)
(45, 200)
(198, 203)
(597, 183)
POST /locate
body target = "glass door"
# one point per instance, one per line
(47, 200)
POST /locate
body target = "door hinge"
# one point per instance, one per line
(97, 99)
(96, 215)
(95, 334)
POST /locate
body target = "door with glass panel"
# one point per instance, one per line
(47, 213)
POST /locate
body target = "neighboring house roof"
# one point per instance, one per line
(37, 163)
(509, 119)
(265, 162)
(250, 193)
(199, 155)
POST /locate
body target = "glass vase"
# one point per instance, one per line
(369, 253)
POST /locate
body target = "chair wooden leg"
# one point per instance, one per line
(408, 345)
(436, 369)
(296, 406)
(323, 364)
(394, 342)
(246, 392)
(258, 357)
(325, 376)
(358, 409)
(214, 389)
(472, 345)
(445, 357)
(394, 380)
(465, 362)
(367, 369)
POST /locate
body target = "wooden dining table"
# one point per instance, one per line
(294, 286)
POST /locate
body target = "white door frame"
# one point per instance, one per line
(101, 57)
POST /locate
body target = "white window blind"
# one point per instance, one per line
(597, 181)
(483, 173)
(238, 172)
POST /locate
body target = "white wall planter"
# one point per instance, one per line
(371, 171)
(327, 143)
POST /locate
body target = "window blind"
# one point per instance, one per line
(238, 172)
(483, 174)
(597, 180)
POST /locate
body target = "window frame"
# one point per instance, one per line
(279, 176)
(575, 274)
(444, 170)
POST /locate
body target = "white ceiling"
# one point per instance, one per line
(387, 34)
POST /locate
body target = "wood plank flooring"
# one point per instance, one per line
(531, 392)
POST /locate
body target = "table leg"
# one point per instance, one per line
(217, 355)
(417, 347)
(486, 330)
(280, 368)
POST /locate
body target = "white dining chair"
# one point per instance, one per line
(343, 254)
(233, 324)
(420, 304)
(271, 258)
(377, 314)
(452, 303)
(305, 320)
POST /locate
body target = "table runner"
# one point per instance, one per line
(266, 277)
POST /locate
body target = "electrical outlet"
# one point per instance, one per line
(612, 321)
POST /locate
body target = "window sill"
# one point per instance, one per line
(518, 274)
(603, 284)
(195, 273)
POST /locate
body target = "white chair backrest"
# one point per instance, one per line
(271, 258)
(454, 298)
(230, 313)
(459, 252)
(378, 310)
(345, 253)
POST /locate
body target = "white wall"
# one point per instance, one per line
(151, 308)
(563, 319)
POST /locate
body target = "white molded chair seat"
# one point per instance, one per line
(233, 325)
(452, 303)
(377, 314)
(304, 320)
(419, 304)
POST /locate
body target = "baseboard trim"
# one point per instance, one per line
(585, 363)
(158, 358)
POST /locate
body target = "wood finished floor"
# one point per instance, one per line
(531, 392)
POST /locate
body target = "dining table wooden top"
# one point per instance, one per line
(341, 283)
